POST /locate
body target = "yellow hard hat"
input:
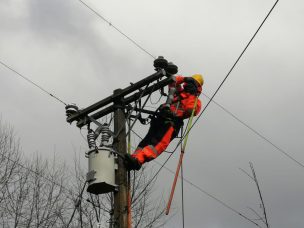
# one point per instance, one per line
(199, 78)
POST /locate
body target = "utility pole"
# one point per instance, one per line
(120, 196)
(119, 103)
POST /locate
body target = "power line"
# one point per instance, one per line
(231, 69)
(193, 185)
(117, 29)
(210, 99)
(79, 196)
(30, 81)
(162, 166)
(154, 57)
(256, 132)
(219, 87)
(253, 130)
(208, 194)
(246, 125)
(35, 172)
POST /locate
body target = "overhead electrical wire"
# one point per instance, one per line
(219, 87)
(211, 99)
(209, 194)
(229, 72)
(194, 186)
(79, 196)
(257, 133)
(36, 173)
(117, 29)
(30, 81)
(231, 69)
(162, 165)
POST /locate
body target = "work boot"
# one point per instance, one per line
(131, 163)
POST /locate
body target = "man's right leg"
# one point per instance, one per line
(155, 142)
(158, 141)
(163, 133)
(134, 161)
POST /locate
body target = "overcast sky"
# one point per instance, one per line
(69, 51)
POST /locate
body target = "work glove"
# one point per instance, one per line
(190, 86)
(165, 111)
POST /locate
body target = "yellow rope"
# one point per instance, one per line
(189, 126)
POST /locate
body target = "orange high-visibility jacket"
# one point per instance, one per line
(183, 101)
(161, 133)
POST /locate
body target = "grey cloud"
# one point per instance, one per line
(208, 37)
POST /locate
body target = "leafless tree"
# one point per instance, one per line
(9, 157)
(260, 218)
(44, 193)
(32, 192)
(148, 209)
(36, 197)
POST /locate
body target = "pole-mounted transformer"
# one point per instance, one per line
(102, 162)
(101, 159)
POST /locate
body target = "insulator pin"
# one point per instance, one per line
(70, 110)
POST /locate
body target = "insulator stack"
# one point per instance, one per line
(91, 139)
(70, 110)
(105, 134)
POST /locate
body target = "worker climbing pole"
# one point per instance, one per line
(182, 102)
(109, 162)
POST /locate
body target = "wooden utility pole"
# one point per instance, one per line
(120, 145)
(118, 103)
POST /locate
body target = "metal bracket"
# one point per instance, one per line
(91, 176)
